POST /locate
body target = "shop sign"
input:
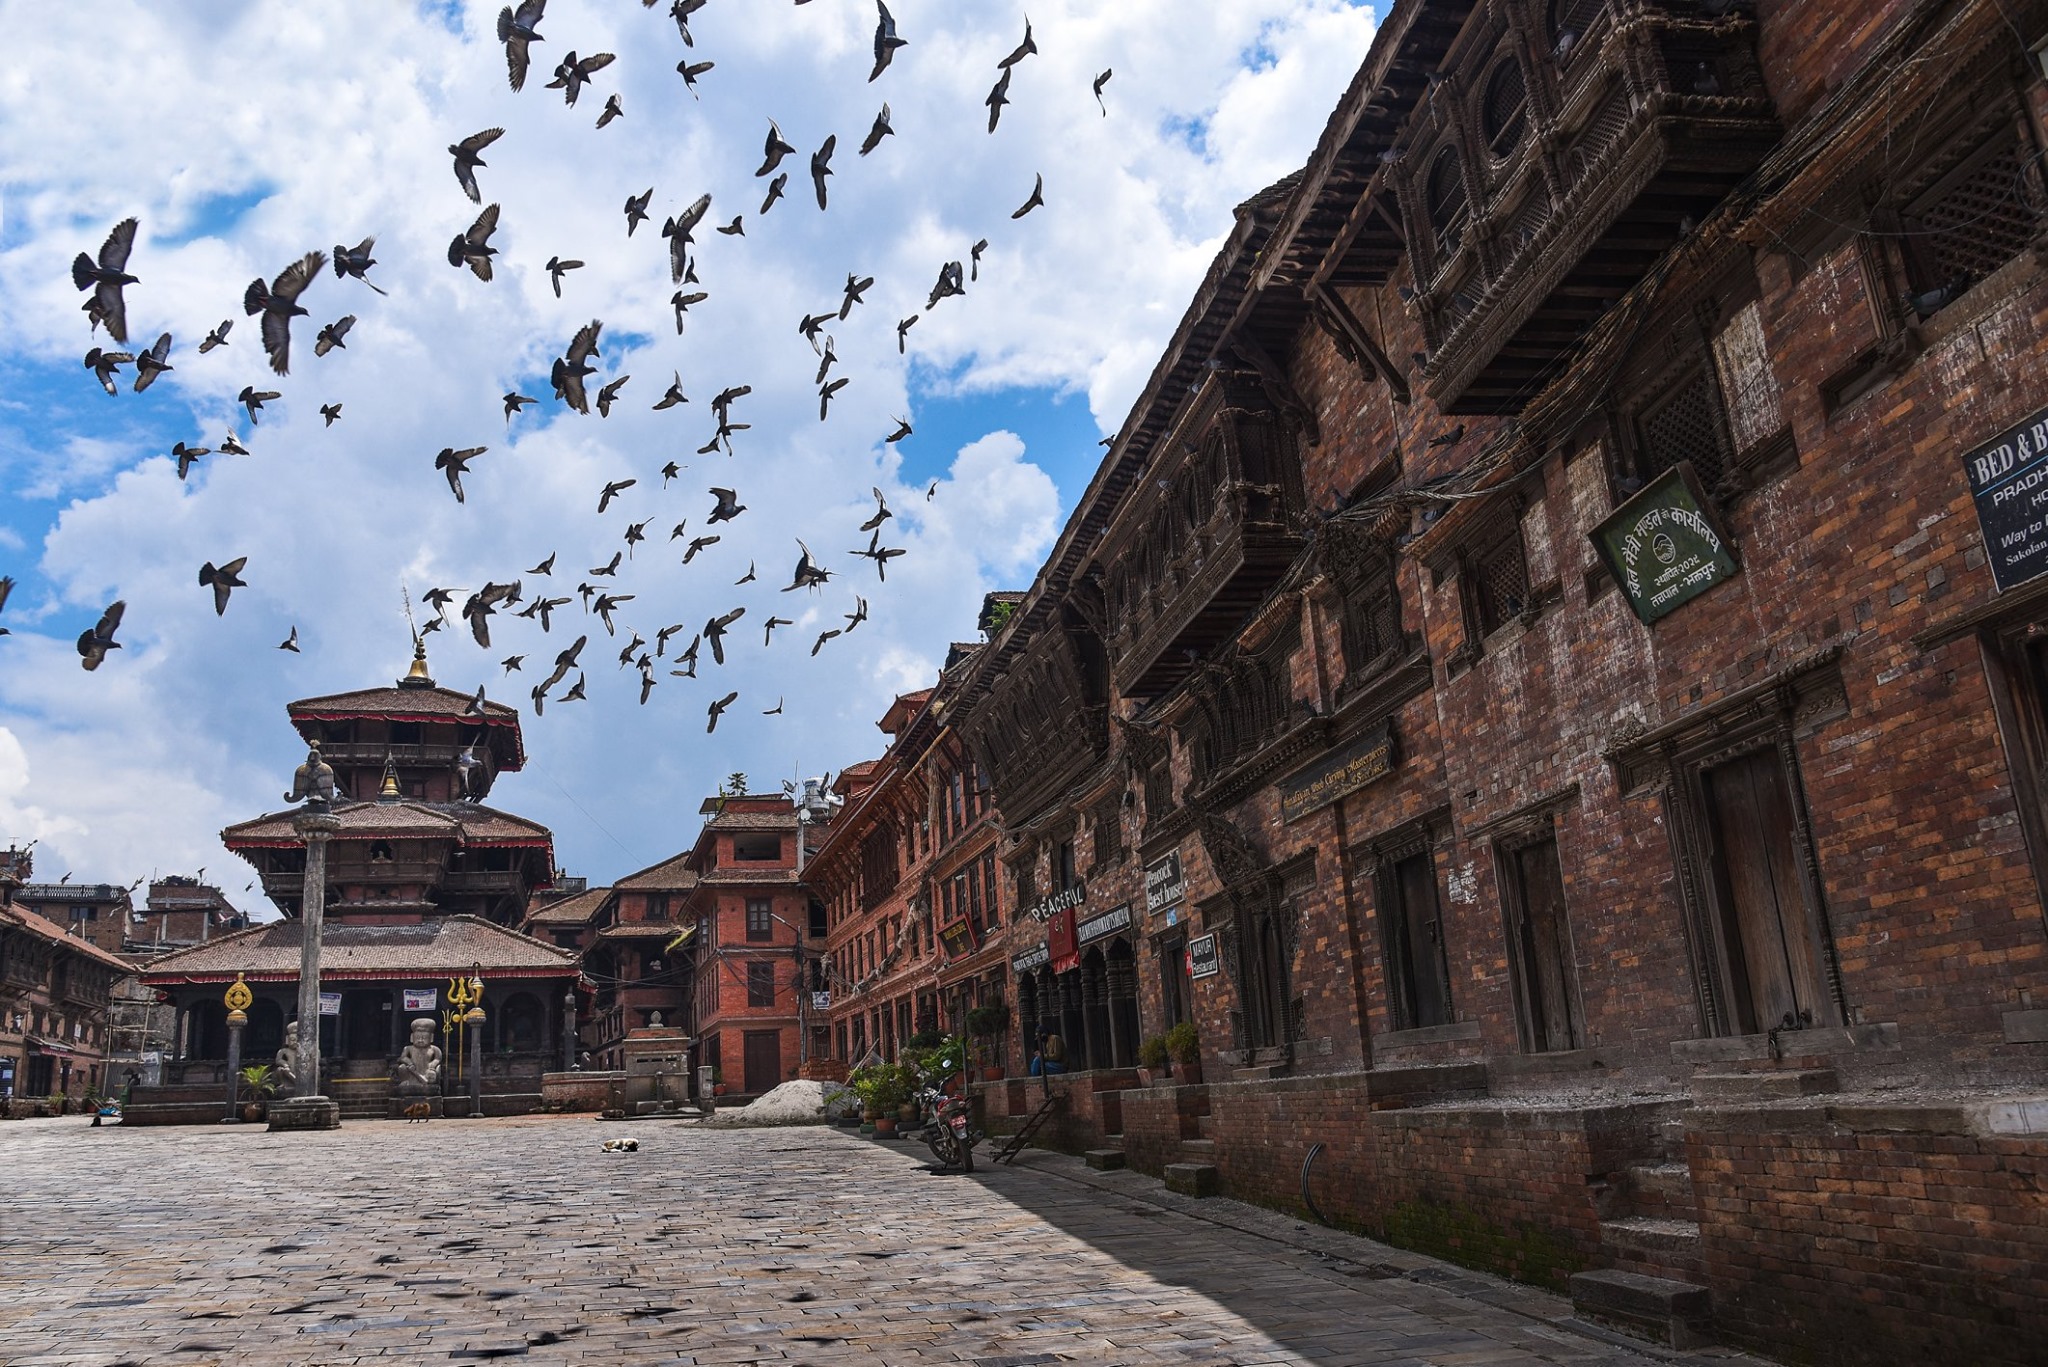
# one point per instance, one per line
(1045, 908)
(1165, 884)
(1202, 960)
(1060, 939)
(330, 1003)
(1663, 547)
(1363, 761)
(958, 939)
(2009, 480)
(1031, 959)
(422, 999)
(1108, 923)
(821, 1001)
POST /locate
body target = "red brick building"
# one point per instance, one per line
(754, 945)
(54, 992)
(1547, 676)
(639, 975)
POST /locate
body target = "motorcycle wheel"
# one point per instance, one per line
(965, 1148)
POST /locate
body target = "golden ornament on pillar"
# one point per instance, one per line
(237, 1000)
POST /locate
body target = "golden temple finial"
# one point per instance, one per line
(389, 792)
(237, 1001)
(419, 661)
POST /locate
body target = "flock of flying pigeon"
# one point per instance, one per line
(104, 277)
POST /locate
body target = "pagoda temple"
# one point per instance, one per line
(424, 882)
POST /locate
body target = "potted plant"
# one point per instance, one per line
(1184, 1046)
(883, 1088)
(257, 1086)
(1152, 1058)
(987, 1024)
(717, 1082)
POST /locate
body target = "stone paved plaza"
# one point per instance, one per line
(452, 1242)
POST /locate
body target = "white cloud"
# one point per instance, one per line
(252, 134)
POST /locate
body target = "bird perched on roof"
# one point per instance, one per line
(516, 29)
(636, 209)
(472, 247)
(572, 73)
(96, 641)
(355, 261)
(223, 580)
(455, 464)
(568, 372)
(106, 275)
(467, 160)
(821, 166)
(886, 40)
(278, 303)
(335, 334)
(103, 364)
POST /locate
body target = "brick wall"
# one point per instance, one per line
(1837, 1234)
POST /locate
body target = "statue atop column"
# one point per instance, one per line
(313, 781)
(418, 1070)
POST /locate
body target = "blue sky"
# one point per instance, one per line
(268, 132)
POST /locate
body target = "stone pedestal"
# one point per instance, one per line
(305, 1113)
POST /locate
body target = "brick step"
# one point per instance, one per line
(1663, 1310)
(1660, 1190)
(1198, 1149)
(1670, 1139)
(1193, 1179)
(1652, 1245)
(1105, 1160)
(1774, 1085)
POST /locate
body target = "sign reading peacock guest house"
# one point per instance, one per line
(1365, 760)
(1663, 547)
(2009, 481)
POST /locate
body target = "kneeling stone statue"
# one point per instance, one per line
(284, 1069)
(418, 1070)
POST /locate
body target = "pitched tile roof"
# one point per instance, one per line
(402, 703)
(445, 946)
(673, 872)
(463, 821)
(31, 924)
(569, 911)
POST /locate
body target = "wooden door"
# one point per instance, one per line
(761, 1064)
(1543, 943)
(1418, 955)
(1767, 944)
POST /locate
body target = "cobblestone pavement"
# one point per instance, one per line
(454, 1242)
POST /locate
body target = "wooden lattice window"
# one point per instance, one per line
(1573, 16)
(1502, 108)
(1444, 193)
(1497, 583)
(1683, 425)
(1371, 622)
(1975, 218)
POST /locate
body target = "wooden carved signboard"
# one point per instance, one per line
(2009, 481)
(958, 938)
(1663, 546)
(1363, 761)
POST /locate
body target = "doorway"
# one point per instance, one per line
(1769, 967)
(761, 1061)
(1539, 941)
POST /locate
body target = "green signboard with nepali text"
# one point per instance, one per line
(1663, 546)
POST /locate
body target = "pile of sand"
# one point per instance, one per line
(793, 1103)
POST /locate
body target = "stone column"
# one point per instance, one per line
(476, 1063)
(308, 1109)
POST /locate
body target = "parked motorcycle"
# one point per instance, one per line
(949, 1128)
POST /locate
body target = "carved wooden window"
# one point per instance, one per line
(1159, 789)
(1503, 108)
(1497, 583)
(1371, 622)
(1027, 882)
(1108, 838)
(1684, 424)
(1975, 218)
(760, 919)
(1444, 196)
(988, 884)
(1573, 16)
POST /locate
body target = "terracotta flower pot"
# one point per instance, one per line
(885, 1126)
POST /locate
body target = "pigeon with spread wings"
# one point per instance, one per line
(223, 580)
(105, 277)
(467, 159)
(472, 247)
(278, 303)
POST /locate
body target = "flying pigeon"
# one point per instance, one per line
(557, 268)
(333, 335)
(1022, 50)
(568, 372)
(455, 464)
(880, 130)
(515, 30)
(772, 154)
(105, 277)
(291, 642)
(715, 629)
(355, 261)
(821, 166)
(467, 160)
(223, 580)
(573, 73)
(1037, 198)
(152, 362)
(278, 303)
(94, 643)
(253, 399)
(472, 248)
(103, 364)
(886, 41)
(718, 708)
(636, 209)
(218, 337)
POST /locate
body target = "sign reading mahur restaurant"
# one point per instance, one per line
(2009, 481)
(1202, 960)
(1662, 546)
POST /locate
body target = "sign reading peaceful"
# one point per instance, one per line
(2009, 481)
(1662, 545)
